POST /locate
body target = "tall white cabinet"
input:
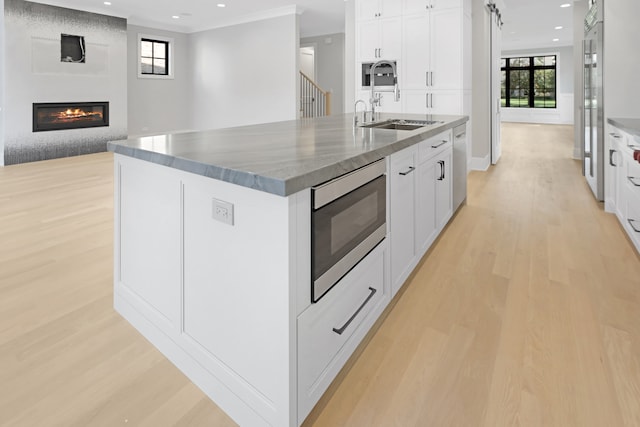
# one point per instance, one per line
(431, 42)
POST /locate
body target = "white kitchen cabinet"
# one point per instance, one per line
(444, 188)
(432, 75)
(434, 189)
(402, 184)
(432, 50)
(426, 229)
(439, 102)
(330, 330)
(431, 45)
(380, 39)
(614, 160)
(374, 9)
(423, 6)
(420, 202)
(622, 181)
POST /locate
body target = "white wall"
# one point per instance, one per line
(481, 96)
(158, 105)
(329, 66)
(245, 74)
(621, 47)
(33, 66)
(349, 55)
(564, 112)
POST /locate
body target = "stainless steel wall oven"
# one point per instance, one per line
(348, 220)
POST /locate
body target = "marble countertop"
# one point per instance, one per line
(283, 157)
(631, 126)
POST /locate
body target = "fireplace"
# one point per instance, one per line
(69, 115)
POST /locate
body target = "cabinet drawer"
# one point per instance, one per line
(632, 176)
(632, 219)
(325, 327)
(434, 145)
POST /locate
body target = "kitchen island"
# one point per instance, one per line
(213, 252)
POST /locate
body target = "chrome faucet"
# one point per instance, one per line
(375, 100)
(355, 112)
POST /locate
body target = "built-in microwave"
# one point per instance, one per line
(384, 75)
(348, 220)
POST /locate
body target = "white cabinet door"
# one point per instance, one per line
(416, 52)
(380, 39)
(373, 9)
(426, 229)
(446, 49)
(402, 214)
(369, 41)
(388, 104)
(411, 7)
(444, 189)
(368, 9)
(620, 177)
(390, 39)
(446, 102)
(610, 149)
(414, 101)
(390, 8)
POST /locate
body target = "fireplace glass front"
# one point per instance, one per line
(77, 115)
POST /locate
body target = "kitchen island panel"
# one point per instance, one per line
(231, 291)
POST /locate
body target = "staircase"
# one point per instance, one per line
(314, 102)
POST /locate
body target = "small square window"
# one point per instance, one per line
(155, 57)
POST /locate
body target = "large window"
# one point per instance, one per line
(529, 82)
(155, 57)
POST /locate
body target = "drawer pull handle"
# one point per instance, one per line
(444, 141)
(615, 135)
(631, 180)
(631, 221)
(611, 158)
(346, 325)
(411, 169)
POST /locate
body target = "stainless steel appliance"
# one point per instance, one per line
(593, 114)
(348, 220)
(459, 165)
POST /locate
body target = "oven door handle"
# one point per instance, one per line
(344, 327)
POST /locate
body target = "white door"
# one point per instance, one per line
(416, 55)
(496, 37)
(307, 62)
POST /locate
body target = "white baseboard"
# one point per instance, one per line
(481, 163)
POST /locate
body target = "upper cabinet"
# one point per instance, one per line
(410, 7)
(429, 39)
(380, 39)
(373, 9)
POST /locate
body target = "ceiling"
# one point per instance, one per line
(532, 24)
(318, 16)
(527, 24)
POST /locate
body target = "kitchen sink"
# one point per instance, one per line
(400, 124)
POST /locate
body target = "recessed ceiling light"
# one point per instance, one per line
(565, 5)
(559, 27)
(556, 40)
(175, 17)
(222, 5)
(107, 3)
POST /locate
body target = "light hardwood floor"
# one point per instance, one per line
(525, 313)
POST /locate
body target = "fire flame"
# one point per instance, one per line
(78, 113)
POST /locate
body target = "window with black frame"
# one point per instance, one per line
(154, 57)
(528, 82)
